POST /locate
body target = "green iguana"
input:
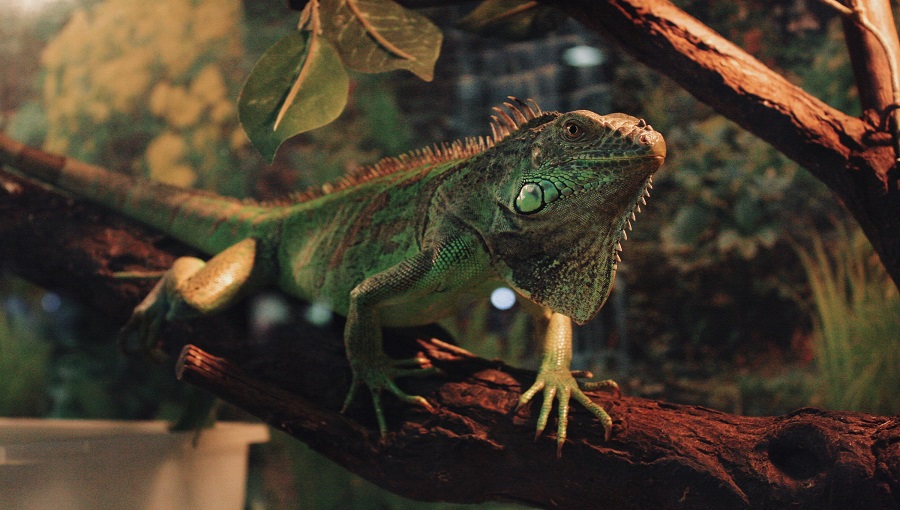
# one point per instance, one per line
(541, 205)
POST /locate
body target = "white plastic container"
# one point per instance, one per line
(78, 464)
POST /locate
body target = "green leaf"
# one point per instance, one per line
(375, 36)
(299, 79)
(512, 19)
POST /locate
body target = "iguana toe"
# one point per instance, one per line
(561, 385)
(379, 377)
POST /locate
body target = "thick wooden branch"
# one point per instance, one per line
(852, 156)
(472, 448)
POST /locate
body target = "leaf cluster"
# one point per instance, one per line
(301, 82)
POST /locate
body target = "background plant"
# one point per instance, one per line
(857, 307)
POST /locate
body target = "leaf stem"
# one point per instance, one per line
(311, 18)
(511, 12)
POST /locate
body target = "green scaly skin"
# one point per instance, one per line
(540, 206)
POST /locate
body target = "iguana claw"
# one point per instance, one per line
(379, 376)
(561, 385)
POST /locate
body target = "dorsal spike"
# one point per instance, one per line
(517, 113)
(529, 107)
(523, 107)
(509, 122)
(499, 128)
(503, 124)
(495, 134)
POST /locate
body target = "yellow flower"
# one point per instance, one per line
(165, 151)
(178, 175)
(208, 85)
(165, 160)
(159, 98)
(124, 80)
(216, 19)
(70, 44)
(223, 111)
(99, 111)
(182, 109)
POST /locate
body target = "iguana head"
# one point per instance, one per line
(570, 186)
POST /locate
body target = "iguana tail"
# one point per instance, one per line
(204, 220)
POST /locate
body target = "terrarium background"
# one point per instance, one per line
(744, 287)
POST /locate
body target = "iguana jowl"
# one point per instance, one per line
(541, 206)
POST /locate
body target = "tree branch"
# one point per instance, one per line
(660, 455)
(872, 43)
(733, 82)
(874, 51)
(852, 156)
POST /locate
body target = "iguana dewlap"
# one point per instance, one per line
(541, 206)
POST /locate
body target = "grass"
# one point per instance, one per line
(857, 327)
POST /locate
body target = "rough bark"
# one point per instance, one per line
(852, 156)
(472, 448)
(661, 455)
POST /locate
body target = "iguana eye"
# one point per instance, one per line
(534, 197)
(530, 199)
(573, 130)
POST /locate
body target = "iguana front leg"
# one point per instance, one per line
(419, 281)
(559, 383)
(192, 287)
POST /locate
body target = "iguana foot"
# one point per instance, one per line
(141, 334)
(379, 374)
(561, 385)
(191, 288)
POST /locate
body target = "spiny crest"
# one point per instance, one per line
(632, 216)
(503, 124)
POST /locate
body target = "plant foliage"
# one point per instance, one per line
(300, 83)
(271, 108)
(857, 345)
(512, 19)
